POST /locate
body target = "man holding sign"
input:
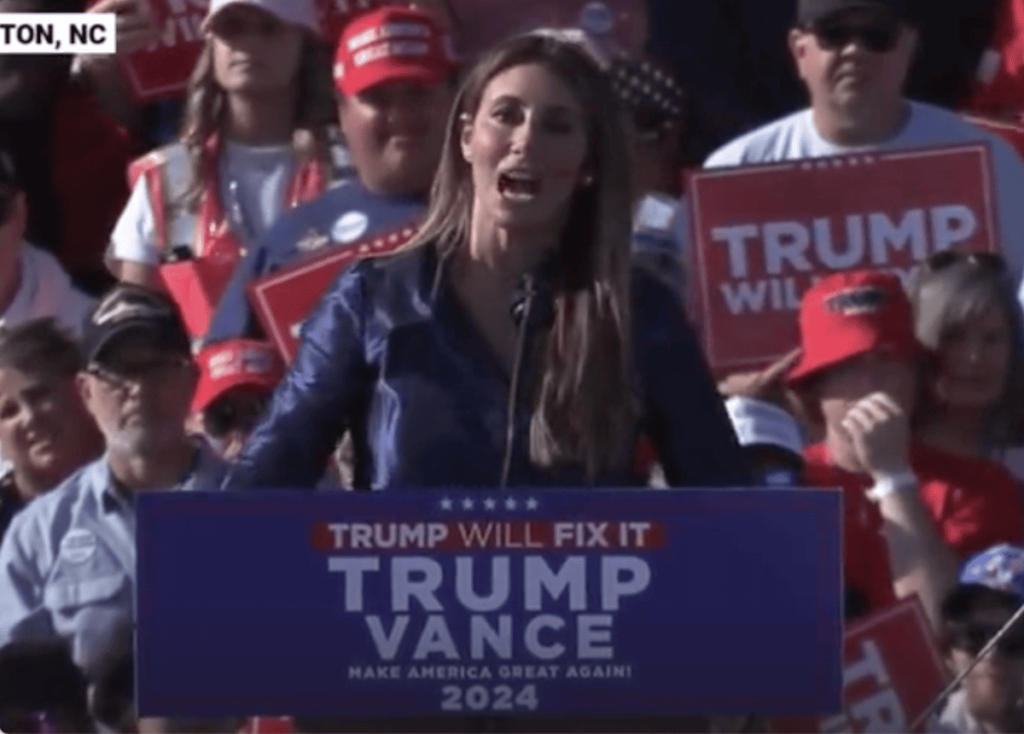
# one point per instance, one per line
(854, 56)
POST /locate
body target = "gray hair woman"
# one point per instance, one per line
(969, 406)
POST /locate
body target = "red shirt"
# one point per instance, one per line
(976, 503)
(866, 551)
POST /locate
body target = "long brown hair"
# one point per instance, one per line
(585, 406)
(206, 108)
(950, 289)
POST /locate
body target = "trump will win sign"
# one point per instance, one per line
(764, 234)
(456, 604)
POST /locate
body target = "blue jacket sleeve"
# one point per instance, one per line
(684, 414)
(318, 399)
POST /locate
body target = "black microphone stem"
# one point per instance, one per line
(513, 397)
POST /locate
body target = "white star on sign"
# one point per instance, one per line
(489, 504)
(510, 504)
(531, 504)
(446, 504)
(467, 504)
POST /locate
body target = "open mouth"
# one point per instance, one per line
(518, 186)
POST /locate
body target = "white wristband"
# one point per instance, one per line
(887, 485)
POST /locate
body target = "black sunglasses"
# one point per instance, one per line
(972, 638)
(948, 258)
(879, 36)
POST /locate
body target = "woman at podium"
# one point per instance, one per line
(510, 343)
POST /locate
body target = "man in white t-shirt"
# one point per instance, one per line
(32, 283)
(854, 56)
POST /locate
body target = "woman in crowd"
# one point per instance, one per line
(510, 344)
(45, 430)
(393, 108)
(254, 144)
(967, 315)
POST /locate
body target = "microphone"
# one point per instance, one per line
(532, 309)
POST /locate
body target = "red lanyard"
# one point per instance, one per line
(214, 236)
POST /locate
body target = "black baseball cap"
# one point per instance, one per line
(131, 310)
(811, 11)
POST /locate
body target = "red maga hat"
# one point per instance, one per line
(235, 363)
(849, 314)
(391, 43)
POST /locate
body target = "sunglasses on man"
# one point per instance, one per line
(879, 35)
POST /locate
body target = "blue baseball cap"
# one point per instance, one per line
(1000, 567)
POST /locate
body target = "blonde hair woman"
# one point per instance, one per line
(510, 344)
(254, 142)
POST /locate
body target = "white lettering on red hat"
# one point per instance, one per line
(249, 361)
(389, 30)
(855, 301)
(391, 48)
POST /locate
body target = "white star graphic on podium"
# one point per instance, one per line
(467, 504)
(510, 504)
(446, 504)
(489, 504)
(531, 504)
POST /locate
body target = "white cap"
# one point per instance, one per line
(297, 12)
(759, 423)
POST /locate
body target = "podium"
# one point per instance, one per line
(447, 606)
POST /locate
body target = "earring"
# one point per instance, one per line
(587, 181)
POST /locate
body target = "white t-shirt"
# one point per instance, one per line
(795, 137)
(46, 291)
(261, 177)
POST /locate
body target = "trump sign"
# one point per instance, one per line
(764, 234)
(462, 604)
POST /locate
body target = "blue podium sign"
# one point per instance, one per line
(434, 603)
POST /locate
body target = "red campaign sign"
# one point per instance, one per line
(284, 300)
(892, 672)
(764, 234)
(162, 69)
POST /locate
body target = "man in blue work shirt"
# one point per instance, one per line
(67, 563)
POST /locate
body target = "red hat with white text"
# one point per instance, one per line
(391, 43)
(849, 314)
(248, 363)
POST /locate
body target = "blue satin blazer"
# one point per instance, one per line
(392, 356)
